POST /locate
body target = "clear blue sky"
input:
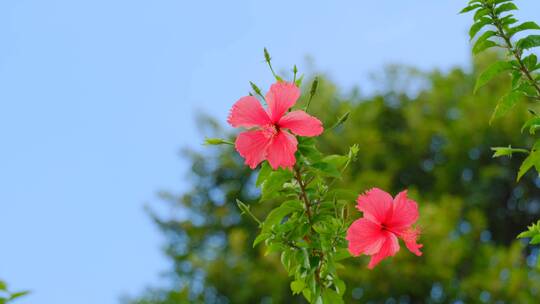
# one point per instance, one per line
(97, 97)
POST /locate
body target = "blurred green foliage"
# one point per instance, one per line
(429, 134)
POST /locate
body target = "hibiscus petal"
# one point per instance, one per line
(376, 205)
(410, 237)
(389, 248)
(405, 212)
(281, 150)
(252, 146)
(247, 112)
(365, 237)
(301, 123)
(281, 97)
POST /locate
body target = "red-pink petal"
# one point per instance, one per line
(252, 146)
(376, 205)
(301, 123)
(410, 237)
(405, 212)
(247, 112)
(365, 237)
(281, 150)
(281, 97)
(389, 248)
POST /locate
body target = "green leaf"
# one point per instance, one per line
(274, 247)
(533, 160)
(476, 27)
(531, 124)
(528, 163)
(535, 240)
(492, 71)
(529, 25)
(495, 2)
(508, 20)
(307, 294)
(505, 8)
(483, 45)
(340, 286)
(297, 286)
(353, 151)
(481, 13)
(255, 88)
(516, 79)
(18, 295)
(3, 285)
(261, 237)
(337, 161)
(217, 141)
(286, 259)
(470, 8)
(345, 194)
(486, 35)
(341, 254)
(533, 233)
(331, 296)
(306, 147)
(276, 216)
(274, 183)
(506, 151)
(526, 234)
(327, 169)
(529, 42)
(300, 230)
(530, 62)
(245, 210)
(263, 174)
(298, 81)
(341, 120)
(505, 104)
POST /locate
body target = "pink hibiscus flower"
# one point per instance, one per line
(385, 220)
(270, 138)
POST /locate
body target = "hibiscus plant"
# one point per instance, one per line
(314, 225)
(495, 26)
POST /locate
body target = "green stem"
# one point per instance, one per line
(303, 196)
(510, 46)
(245, 209)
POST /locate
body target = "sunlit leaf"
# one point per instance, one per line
(529, 42)
(506, 151)
(532, 124)
(505, 8)
(492, 71)
(276, 216)
(476, 27)
(506, 103)
(483, 45)
(470, 8)
(297, 286)
(529, 25)
(533, 160)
